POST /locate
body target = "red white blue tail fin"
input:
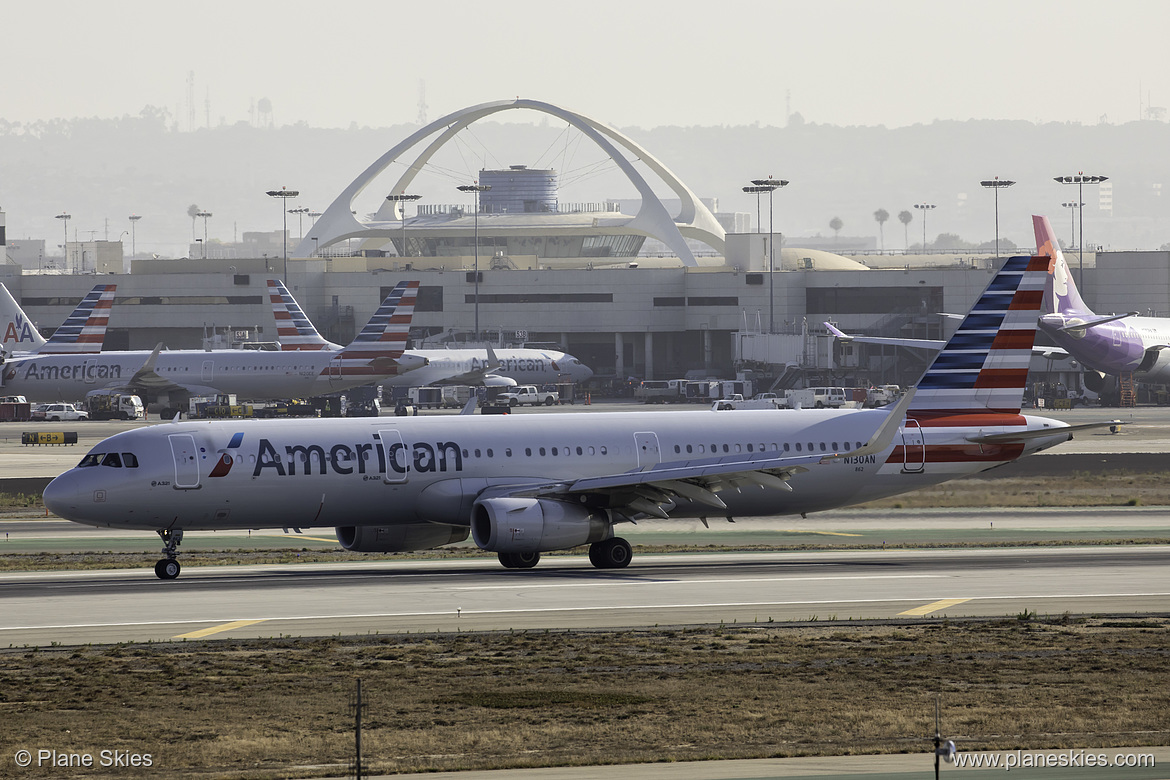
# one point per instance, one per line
(382, 341)
(83, 331)
(294, 331)
(984, 365)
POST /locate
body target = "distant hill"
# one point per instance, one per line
(99, 169)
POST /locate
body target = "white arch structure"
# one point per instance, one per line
(338, 223)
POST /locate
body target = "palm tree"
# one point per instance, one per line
(192, 212)
(881, 215)
(836, 224)
(904, 217)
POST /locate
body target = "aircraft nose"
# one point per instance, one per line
(60, 496)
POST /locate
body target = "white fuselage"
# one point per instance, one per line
(251, 374)
(316, 473)
(525, 366)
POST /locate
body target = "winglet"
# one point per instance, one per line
(843, 337)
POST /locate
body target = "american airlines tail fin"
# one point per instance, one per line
(82, 332)
(984, 366)
(382, 341)
(294, 331)
(20, 335)
(1060, 291)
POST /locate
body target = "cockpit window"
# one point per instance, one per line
(113, 459)
(129, 460)
(92, 459)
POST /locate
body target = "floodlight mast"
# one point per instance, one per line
(284, 194)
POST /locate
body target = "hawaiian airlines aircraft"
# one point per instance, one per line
(492, 368)
(521, 485)
(82, 332)
(1113, 344)
(167, 379)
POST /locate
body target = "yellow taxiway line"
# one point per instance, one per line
(934, 606)
(217, 629)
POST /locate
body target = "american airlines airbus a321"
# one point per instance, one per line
(521, 485)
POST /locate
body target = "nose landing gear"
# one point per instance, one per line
(168, 568)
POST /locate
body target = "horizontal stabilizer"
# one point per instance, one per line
(1021, 436)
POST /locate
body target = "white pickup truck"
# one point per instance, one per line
(527, 394)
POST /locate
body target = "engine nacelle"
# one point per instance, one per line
(398, 538)
(1155, 366)
(516, 525)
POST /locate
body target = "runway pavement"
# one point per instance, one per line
(567, 593)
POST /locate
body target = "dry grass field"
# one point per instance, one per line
(276, 709)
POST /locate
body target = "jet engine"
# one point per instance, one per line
(398, 538)
(1094, 380)
(1155, 365)
(525, 525)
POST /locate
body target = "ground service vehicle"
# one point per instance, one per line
(115, 406)
(527, 394)
(64, 413)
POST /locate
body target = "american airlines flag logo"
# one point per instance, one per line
(383, 340)
(84, 331)
(985, 364)
(294, 331)
(226, 457)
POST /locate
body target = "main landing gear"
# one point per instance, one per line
(613, 553)
(168, 568)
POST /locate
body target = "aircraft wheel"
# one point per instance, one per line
(167, 569)
(613, 553)
(526, 560)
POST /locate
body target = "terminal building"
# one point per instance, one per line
(526, 267)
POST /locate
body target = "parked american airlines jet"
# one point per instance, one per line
(82, 332)
(167, 379)
(523, 485)
(492, 367)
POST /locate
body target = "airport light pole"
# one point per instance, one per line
(925, 209)
(1081, 180)
(769, 185)
(995, 184)
(400, 200)
(205, 215)
(1072, 221)
(284, 195)
(301, 212)
(65, 247)
(133, 242)
(476, 188)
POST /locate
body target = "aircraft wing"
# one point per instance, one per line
(648, 490)
(1051, 353)
(916, 343)
(147, 382)
(482, 376)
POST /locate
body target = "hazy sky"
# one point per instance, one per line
(643, 63)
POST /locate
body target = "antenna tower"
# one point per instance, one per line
(422, 102)
(190, 101)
